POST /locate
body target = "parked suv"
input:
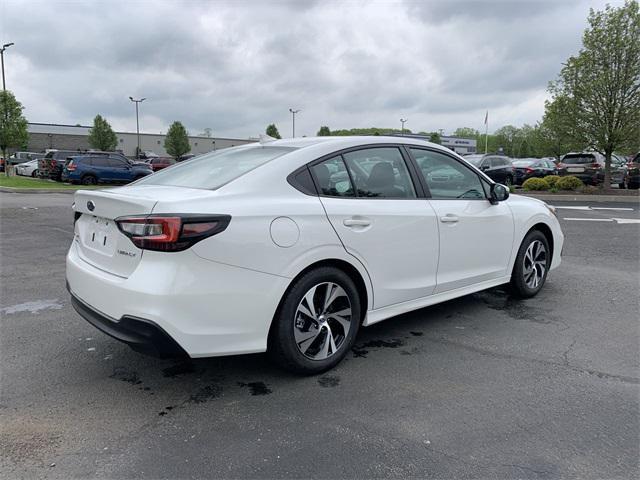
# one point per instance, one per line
(589, 167)
(51, 165)
(93, 169)
(497, 167)
(526, 168)
(633, 173)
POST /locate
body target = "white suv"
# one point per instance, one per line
(290, 246)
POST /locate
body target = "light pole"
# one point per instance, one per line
(4, 105)
(293, 113)
(4, 47)
(402, 121)
(137, 124)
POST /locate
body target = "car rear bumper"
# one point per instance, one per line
(205, 307)
(141, 335)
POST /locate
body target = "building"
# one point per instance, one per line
(459, 145)
(43, 136)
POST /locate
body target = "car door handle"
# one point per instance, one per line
(449, 218)
(356, 222)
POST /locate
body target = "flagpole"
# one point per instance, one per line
(486, 133)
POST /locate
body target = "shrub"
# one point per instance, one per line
(590, 190)
(551, 180)
(569, 183)
(553, 190)
(535, 184)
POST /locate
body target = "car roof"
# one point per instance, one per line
(351, 140)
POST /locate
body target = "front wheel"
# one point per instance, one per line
(317, 322)
(34, 174)
(89, 180)
(532, 265)
(508, 181)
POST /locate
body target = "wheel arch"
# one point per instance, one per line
(546, 231)
(346, 267)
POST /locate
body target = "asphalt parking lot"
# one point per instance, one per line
(485, 386)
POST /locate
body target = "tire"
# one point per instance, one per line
(34, 174)
(633, 186)
(522, 283)
(508, 181)
(89, 180)
(623, 185)
(299, 341)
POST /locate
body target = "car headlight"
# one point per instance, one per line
(551, 208)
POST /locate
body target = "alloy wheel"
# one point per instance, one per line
(322, 321)
(535, 264)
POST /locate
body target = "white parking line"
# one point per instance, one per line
(627, 220)
(589, 219)
(621, 209)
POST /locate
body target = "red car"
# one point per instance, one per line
(160, 163)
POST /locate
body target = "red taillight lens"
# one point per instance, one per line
(528, 169)
(71, 166)
(167, 233)
(561, 165)
(595, 165)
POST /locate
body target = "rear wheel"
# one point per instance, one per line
(89, 180)
(532, 265)
(317, 322)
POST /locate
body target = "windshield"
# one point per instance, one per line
(523, 163)
(214, 169)
(474, 159)
(578, 158)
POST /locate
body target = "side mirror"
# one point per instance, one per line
(498, 193)
(484, 167)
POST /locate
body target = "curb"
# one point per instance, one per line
(583, 198)
(38, 190)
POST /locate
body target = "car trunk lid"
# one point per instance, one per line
(100, 242)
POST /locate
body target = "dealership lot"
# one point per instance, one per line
(483, 386)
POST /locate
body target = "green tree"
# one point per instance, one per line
(601, 84)
(324, 132)
(272, 131)
(466, 132)
(176, 143)
(102, 136)
(434, 137)
(13, 125)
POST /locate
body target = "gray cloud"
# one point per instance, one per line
(237, 66)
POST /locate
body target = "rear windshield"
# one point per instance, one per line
(214, 169)
(578, 158)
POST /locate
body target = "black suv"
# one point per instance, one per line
(497, 167)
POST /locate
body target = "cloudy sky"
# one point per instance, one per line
(235, 66)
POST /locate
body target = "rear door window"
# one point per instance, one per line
(332, 178)
(380, 173)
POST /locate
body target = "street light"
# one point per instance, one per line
(137, 124)
(402, 121)
(293, 113)
(4, 47)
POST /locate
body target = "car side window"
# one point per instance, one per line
(380, 173)
(332, 178)
(446, 177)
(99, 162)
(116, 163)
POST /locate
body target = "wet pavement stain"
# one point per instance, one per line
(179, 369)
(329, 381)
(206, 393)
(125, 375)
(257, 388)
(166, 410)
(416, 334)
(514, 307)
(33, 307)
(360, 351)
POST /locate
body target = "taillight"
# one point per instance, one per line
(595, 165)
(71, 166)
(561, 165)
(171, 233)
(528, 169)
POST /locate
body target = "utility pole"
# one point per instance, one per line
(293, 114)
(402, 122)
(137, 124)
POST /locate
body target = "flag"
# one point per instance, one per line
(486, 118)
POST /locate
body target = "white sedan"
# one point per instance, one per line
(291, 246)
(28, 169)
